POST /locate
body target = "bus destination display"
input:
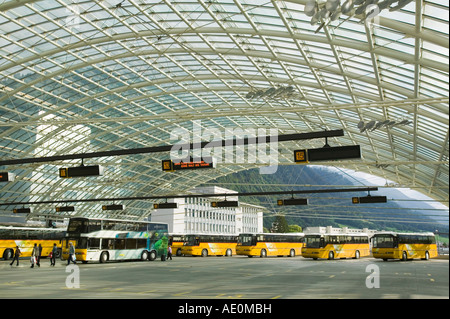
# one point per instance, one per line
(206, 162)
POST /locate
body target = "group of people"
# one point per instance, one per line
(36, 256)
(37, 252)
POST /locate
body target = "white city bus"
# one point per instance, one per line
(108, 239)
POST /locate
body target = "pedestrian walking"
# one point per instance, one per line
(38, 257)
(34, 254)
(169, 253)
(72, 257)
(53, 255)
(16, 257)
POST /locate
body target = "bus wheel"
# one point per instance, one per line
(330, 255)
(178, 252)
(292, 253)
(427, 256)
(404, 256)
(8, 254)
(263, 253)
(144, 255)
(152, 255)
(104, 257)
(229, 253)
(204, 253)
(357, 255)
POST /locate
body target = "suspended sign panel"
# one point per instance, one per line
(165, 205)
(65, 209)
(327, 154)
(113, 207)
(7, 177)
(227, 203)
(81, 171)
(21, 210)
(292, 202)
(169, 165)
(369, 199)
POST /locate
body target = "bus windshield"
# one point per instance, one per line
(247, 240)
(192, 241)
(313, 241)
(77, 226)
(384, 241)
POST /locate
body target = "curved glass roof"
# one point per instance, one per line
(85, 76)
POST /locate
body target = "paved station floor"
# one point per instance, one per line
(236, 277)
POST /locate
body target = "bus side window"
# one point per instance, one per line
(119, 243)
(107, 243)
(322, 242)
(94, 243)
(142, 243)
(94, 226)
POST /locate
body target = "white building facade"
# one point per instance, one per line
(334, 231)
(196, 215)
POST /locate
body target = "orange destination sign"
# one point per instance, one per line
(169, 165)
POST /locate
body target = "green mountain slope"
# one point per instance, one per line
(335, 209)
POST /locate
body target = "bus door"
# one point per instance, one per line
(322, 242)
(395, 242)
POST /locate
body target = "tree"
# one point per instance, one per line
(295, 229)
(280, 224)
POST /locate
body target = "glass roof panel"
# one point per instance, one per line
(108, 75)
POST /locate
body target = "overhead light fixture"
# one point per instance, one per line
(272, 93)
(374, 125)
(324, 12)
(399, 5)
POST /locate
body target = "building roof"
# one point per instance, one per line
(82, 76)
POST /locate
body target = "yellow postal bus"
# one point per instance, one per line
(404, 246)
(176, 241)
(331, 246)
(263, 245)
(26, 237)
(209, 245)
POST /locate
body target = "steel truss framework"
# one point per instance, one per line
(89, 76)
